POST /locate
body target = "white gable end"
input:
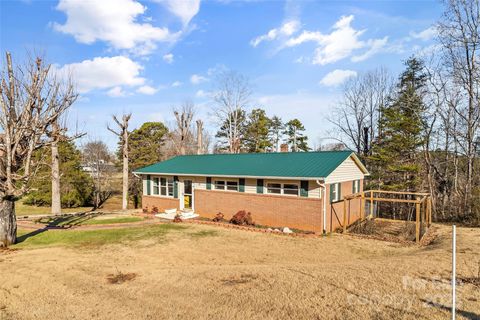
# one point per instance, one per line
(348, 170)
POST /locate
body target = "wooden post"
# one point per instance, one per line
(371, 204)
(429, 210)
(417, 221)
(362, 206)
(344, 215)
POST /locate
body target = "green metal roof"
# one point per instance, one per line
(309, 165)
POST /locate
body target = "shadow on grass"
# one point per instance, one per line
(68, 220)
(463, 313)
(24, 237)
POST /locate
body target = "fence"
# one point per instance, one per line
(371, 200)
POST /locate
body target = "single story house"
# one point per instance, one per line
(300, 190)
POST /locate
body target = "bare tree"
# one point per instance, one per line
(56, 197)
(122, 134)
(182, 135)
(200, 149)
(232, 94)
(459, 33)
(356, 116)
(97, 159)
(32, 99)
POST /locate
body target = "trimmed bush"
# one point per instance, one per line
(242, 218)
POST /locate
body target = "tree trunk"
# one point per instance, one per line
(125, 171)
(56, 200)
(8, 222)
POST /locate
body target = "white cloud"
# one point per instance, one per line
(337, 77)
(116, 92)
(196, 79)
(148, 90)
(176, 84)
(103, 73)
(202, 94)
(375, 45)
(286, 30)
(341, 43)
(168, 58)
(183, 9)
(112, 21)
(424, 35)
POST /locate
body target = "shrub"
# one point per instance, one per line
(219, 217)
(154, 209)
(242, 218)
(177, 218)
(145, 210)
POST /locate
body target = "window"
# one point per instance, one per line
(219, 185)
(166, 187)
(155, 186)
(226, 185)
(283, 188)
(275, 188)
(232, 185)
(335, 192)
(356, 186)
(290, 189)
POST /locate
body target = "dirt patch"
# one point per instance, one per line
(120, 277)
(389, 230)
(244, 278)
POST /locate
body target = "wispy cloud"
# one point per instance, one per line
(337, 77)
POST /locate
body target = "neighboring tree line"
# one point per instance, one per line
(421, 132)
(242, 131)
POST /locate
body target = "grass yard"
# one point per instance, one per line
(21, 209)
(185, 271)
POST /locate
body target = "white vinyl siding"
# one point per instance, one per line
(348, 170)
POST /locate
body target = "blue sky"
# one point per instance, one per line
(146, 57)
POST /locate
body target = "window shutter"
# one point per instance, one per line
(209, 183)
(241, 185)
(339, 191)
(259, 185)
(354, 184)
(148, 185)
(304, 188)
(175, 187)
(331, 192)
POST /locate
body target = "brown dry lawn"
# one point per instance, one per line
(204, 272)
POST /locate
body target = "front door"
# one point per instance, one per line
(187, 194)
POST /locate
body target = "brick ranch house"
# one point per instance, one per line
(300, 190)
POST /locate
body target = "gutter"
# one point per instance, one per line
(324, 209)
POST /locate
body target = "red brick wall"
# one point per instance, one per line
(148, 202)
(335, 211)
(269, 210)
(276, 211)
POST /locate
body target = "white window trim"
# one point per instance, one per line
(336, 187)
(356, 184)
(160, 187)
(282, 184)
(214, 182)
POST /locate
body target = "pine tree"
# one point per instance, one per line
(236, 123)
(257, 130)
(276, 131)
(145, 147)
(76, 185)
(295, 137)
(395, 155)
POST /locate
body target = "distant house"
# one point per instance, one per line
(298, 190)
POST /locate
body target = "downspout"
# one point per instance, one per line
(324, 198)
